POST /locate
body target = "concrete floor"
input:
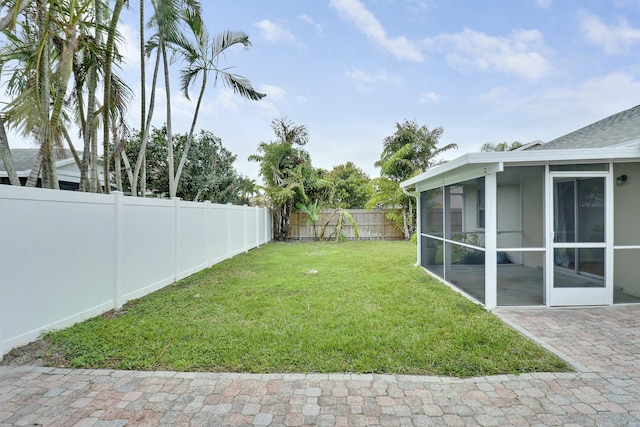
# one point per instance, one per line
(519, 285)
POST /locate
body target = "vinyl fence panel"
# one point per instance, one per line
(66, 256)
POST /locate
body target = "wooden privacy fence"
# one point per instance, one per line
(372, 225)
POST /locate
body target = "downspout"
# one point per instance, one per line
(416, 195)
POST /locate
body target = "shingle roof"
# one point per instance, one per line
(616, 129)
(23, 158)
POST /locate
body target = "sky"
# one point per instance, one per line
(349, 70)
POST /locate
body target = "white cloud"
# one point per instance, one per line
(420, 4)
(129, 47)
(274, 93)
(227, 100)
(611, 38)
(522, 52)
(311, 22)
(274, 33)
(271, 104)
(365, 81)
(365, 21)
(430, 98)
(544, 4)
(549, 113)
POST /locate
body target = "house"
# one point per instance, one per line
(24, 158)
(553, 225)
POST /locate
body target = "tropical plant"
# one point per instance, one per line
(313, 214)
(342, 217)
(286, 169)
(14, 8)
(202, 56)
(411, 150)
(52, 55)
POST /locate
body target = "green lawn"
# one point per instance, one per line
(305, 307)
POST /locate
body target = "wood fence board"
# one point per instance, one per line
(372, 225)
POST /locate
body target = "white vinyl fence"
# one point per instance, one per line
(67, 256)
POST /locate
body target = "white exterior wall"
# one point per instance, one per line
(626, 230)
(68, 256)
(510, 220)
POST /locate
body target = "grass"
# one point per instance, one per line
(305, 307)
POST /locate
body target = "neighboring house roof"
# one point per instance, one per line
(619, 129)
(66, 167)
(24, 158)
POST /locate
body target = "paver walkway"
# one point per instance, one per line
(602, 343)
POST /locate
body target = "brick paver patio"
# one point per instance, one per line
(603, 344)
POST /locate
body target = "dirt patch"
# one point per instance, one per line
(41, 352)
(33, 354)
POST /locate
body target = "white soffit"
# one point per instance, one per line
(474, 165)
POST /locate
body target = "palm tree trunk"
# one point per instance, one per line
(127, 168)
(143, 98)
(143, 177)
(10, 18)
(5, 154)
(72, 148)
(170, 160)
(106, 106)
(44, 74)
(117, 159)
(187, 144)
(145, 132)
(405, 225)
(35, 169)
(90, 153)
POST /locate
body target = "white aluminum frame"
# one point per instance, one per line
(579, 296)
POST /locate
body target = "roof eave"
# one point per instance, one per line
(519, 157)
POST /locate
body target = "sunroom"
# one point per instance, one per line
(546, 227)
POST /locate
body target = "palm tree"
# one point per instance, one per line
(107, 104)
(14, 9)
(38, 97)
(47, 57)
(284, 169)
(166, 20)
(412, 149)
(202, 58)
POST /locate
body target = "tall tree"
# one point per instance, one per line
(107, 93)
(166, 22)
(208, 173)
(202, 58)
(412, 149)
(500, 146)
(53, 74)
(284, 165)
(351, 186)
